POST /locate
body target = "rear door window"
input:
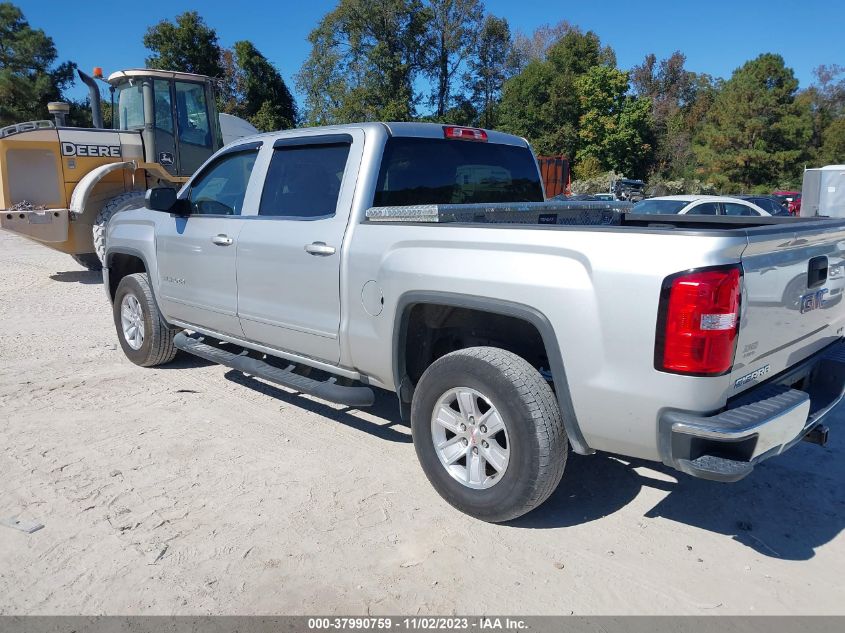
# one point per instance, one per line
(441, 171)
(736, 209)
(705, 208)
(303, 182)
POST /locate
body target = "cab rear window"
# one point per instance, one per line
(440, 171)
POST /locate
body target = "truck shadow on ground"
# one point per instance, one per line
(785, 509)
(78, 276)
(385, 423)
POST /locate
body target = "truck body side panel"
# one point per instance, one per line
(599, 290)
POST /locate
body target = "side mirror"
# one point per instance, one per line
(162, 199)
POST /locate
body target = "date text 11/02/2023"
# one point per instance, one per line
(417, 623)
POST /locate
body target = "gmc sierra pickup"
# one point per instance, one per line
(423, 259)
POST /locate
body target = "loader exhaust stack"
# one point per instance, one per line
(94, 91)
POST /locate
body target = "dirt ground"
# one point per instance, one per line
(191, 489)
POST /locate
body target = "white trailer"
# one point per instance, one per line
(823, 192)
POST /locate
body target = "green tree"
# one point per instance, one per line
(262, 97)
(29, 76)
(755, 132)
(826, 100)
(614, 127)
(365, 56)
(489, 66)
(542, 104)
(832, 151)
(672, 91)
(453, 30)
(187, 45)
(528, 48)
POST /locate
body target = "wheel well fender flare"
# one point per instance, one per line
(494, 306)
(131, 252)
(85, 187)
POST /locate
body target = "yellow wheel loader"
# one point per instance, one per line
(60, 185)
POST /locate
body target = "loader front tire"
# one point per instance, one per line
(128, 200)
(88, 260)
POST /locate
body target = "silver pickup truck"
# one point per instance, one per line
(423, 260)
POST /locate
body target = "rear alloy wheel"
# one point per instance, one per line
(470, 438)
(488, 433)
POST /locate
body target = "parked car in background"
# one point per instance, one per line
(627, 189)
(792, 200)
(698, 205)
(772, 204)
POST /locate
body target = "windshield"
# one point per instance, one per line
(441, 171)
(659, 207)
(129, 114)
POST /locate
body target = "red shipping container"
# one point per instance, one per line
(554, 170)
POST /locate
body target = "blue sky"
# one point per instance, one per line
(716, 35)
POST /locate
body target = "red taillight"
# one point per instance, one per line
(464, 133)
(698, 322)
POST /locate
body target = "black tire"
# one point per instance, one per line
(128, 200)
(537, 441)
(157, 347)
(89, 261)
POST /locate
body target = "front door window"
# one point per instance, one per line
(221, 188)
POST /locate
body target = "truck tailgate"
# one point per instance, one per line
(792, 303)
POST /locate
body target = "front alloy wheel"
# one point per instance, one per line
(132, 321)
(144, 335)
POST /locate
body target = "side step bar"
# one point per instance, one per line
(325, 390)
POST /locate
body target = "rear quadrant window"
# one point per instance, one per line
(303, 182)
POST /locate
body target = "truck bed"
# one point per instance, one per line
(582, 214)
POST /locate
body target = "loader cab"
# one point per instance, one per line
(175, 113)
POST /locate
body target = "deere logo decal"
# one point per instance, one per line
(92, 151)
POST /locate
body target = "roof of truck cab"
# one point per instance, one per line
(403, 129)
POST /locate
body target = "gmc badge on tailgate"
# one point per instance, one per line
(812, 300)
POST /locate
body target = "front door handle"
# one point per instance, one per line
(320, 249)
(222, 240)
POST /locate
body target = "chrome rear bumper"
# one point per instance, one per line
(761, 423)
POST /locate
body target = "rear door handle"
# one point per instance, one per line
(320, 249)
(222, 240)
